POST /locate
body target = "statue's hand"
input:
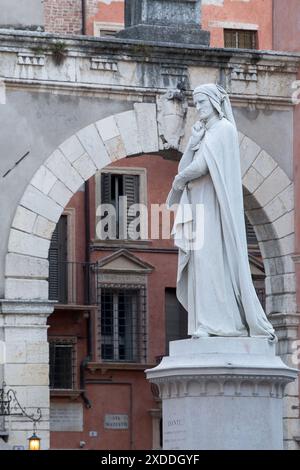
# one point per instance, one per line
(178, 183)
(198, 131)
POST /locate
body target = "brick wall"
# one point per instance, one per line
(65, 16)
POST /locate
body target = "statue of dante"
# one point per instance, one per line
(214, 281)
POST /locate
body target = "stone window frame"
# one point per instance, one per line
(106, 26)
(70, 213)
(62, 340)
(143, 194)
(125, 281)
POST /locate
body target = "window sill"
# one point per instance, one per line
(106, 366)
(75, 307)
(121, 243)
(72, 394)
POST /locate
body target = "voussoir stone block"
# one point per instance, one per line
(26, 266)
(276, 182)
(147, 127)
(72, 148)
(94, 146)
(128, 127)
(26, 244)
(24, 219)
(85, 166)
(43, 227)
(264, 164)
(108, 128)
(285, 264)
(249, 151)
(64, 171)
(60, 193)
(43, 205)
(275, 209)
(252, 179)
(285, 224)
(115, 148)
(287, 197)
(287, 244)
(43, 180)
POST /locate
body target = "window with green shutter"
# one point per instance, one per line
(58, 257)
(114, 188)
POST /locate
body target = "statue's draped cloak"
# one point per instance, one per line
(218, 292)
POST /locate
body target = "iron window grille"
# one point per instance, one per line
(62, 363)
(240, 38)
(122, 323)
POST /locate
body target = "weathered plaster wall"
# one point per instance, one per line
(272, 130)
(38, 123)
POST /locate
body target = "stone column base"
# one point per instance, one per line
(221, 394)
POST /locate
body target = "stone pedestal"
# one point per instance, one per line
(172, 21)
(222, 394)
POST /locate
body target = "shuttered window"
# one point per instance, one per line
(240, 39)
(58, 269)
(116, 186)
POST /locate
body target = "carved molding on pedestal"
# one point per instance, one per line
(222, 385)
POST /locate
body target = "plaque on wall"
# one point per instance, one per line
(66, 417)
(116, 421)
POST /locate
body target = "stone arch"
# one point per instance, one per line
(269, 203)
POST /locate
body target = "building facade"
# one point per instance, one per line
(81, 129)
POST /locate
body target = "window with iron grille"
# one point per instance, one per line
(115, 186)
(62, 364)
(240, 38)
(122, 335)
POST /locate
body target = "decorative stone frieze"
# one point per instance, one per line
(33, 60)
(105, 65)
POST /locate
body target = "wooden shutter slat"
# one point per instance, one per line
(131, 190)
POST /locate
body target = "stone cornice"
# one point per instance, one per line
(9, 38)
(23, 307)
(134, 70)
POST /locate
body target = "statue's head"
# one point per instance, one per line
(204, 107)
(212, 99)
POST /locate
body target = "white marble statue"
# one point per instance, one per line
(214, 282)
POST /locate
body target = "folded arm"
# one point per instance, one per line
(194, 170)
